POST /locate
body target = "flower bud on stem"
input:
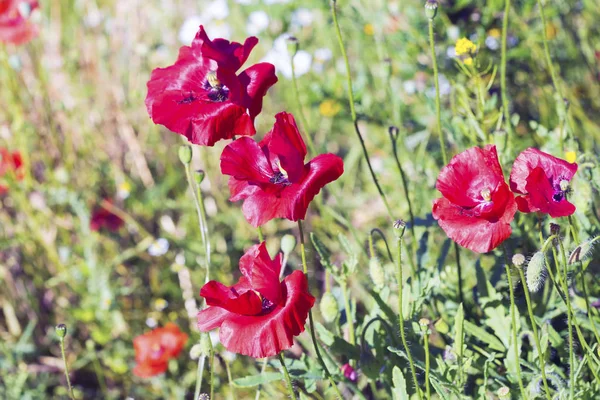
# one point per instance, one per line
(61, 332)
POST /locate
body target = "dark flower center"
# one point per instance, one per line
(267, 305)
(217, 92)
(561, 188)
(280, 179)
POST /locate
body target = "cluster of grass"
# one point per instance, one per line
(72, 102)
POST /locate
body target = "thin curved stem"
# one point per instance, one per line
(503, 61)
(291, 391)
(569, 321)
(426, 344)
(438, 111)
(541, 354)
(547, 51)
(371, 243)
(400, 278)
(313, 336)
(353, 109)
(64, 357)
(514, 331)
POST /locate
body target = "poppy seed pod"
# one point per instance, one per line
(329, 307)
(61, 331)
(288, 242)
(536, 272)
(518, 260)
(431, 7)
(376, 272)
(185, 154)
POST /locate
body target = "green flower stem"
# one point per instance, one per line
(426, 344)
(438, 112)
(547, 52)
(311, 320)
(203, 225)
(400, 279)
(569, 322)
(262, 371)
(541, 354)
(461, 295)
(287, 377)
(261, 237)
(353, 108)
(588, 309)
(514, 331)
(503, 61)
(303, 120)
(64, 357)
(349, 318)
(406, 196)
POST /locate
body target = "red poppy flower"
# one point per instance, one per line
(271, 176)
(544, 181)
(349, 372)
(103, 218)
(10, 162)
(154, 349)
(258, 316)
(202, 98)
(15, 26)
(477, 206)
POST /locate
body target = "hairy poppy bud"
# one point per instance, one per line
(61, 331)
(293, 45)
(424, 324)
(185, 154)
(399, 228)
(329, 307)
(376, 272)
(288, 242)
(536, 272)
(431, 7)
(583, 251)
(200, 174)
(504, 393)
(518, 260)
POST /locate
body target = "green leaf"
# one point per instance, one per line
(255, 380)
(484, 336)
(399, 385)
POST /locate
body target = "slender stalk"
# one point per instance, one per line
(569, 322)
(541, 355)
(353, 108)
(64, 357)
(400, 279)
(199, 370)
(547, 51)
(230, 380)
(503, 61)
(262, 371)
(588, 309)
(349, 317)
(461, 295)
(303, 119)
(261, 237)
(438, 111)
(291, 391)
(311, 320)
(426, 343)
(514, 331)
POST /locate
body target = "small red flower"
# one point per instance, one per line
(15, 26)
(349, 373)
(543, 180)
(258, 316)
(271, 176)
(154, 349)
(103, 218)
(477, 206)
(10, 163)
(202, 98)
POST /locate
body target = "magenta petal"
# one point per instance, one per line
(256, 80)
(219, 295)
(286, 146)
(245, 161)
(531, 158)
(540, 196)
(262, 272)
(230, 55)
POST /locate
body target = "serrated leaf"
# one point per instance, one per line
(484, 336)
(399, 390)
(255, 380)
(323, 252)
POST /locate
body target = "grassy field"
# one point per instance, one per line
(72, 105)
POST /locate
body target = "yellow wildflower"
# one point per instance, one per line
(369, 29)
(464, 47)
(570, 156)
(329, 108)
(495, 32)
(468, 61)
(551, 31)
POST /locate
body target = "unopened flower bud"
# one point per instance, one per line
(349, 372)
(431, 7)
(329, 307)
(555, 228)
(518, 260)
(61, 331)
(376, 272)
(196, 351)
(205, 344)
(504, 393)
(288, 242)
(292, 44)
(200, 174)
(583, 251)
(204, 396)
(393, 131)
(424, 324)
(185, 154)
(536, 272)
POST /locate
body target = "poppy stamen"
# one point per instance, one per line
(486, 195)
